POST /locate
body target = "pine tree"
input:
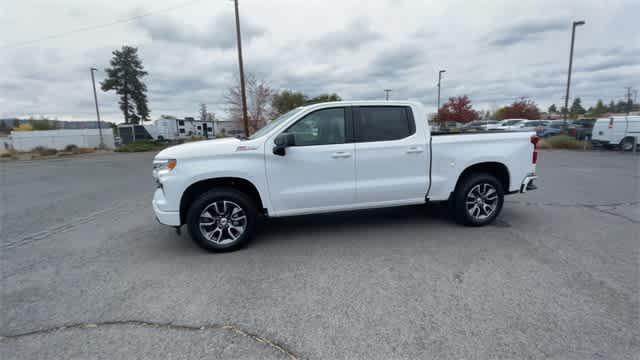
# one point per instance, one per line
(599, 109)
(125, 77)
(576, 108)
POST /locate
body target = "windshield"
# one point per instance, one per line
(267, 128)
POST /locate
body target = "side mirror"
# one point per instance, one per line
(283, 141)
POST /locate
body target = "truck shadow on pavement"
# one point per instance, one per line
(352, 222)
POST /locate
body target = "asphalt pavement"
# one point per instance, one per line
(86, 272)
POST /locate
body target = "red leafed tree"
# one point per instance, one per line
(520, 109)
(457, 109)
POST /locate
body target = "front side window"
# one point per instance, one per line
(383, 123)
(322, 127)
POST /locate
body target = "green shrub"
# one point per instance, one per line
(140, 145)
(564, 142)
(71, 148)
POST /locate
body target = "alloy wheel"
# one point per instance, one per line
(482, 201)
(222, 222)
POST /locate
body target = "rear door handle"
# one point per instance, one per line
(414, 150)
(341, 154)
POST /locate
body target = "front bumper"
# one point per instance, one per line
(171, 218)
(527, 183)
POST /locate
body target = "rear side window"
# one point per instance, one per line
(383, 123)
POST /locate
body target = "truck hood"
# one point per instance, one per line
(200, 149)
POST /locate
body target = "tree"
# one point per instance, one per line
(621, 106)
(552, 109)
(203, 112)
(16, 123)
(259, 95)
(324, 98)
(501, 113)
(520, 109)
(458, 108)
(576, 108)
(612, 106)
(599, 109)
(287, 100)
(41, 124)
(125, 78)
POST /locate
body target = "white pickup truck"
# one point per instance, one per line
(337, 156)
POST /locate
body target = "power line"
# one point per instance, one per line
(96, 27)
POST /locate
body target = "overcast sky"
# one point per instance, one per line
(493, 51)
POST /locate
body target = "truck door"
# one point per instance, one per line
(318, 172)
(391, 155)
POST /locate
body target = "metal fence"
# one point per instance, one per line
(59, 139)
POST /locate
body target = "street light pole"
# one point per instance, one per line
(439, 80)
(387, 91)
(243, 93)
(566, 97)
(95, 99)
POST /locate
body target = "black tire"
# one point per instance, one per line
(470, 183)
(627, 144)
(208, 199)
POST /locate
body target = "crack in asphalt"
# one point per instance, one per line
(595, 207)
(151, 324)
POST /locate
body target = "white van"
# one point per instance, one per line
(616, 131)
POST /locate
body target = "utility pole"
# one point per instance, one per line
(439, 80)
(387, 91)
(566, 98)
(95, 98)
(629, 103)
(243, 93)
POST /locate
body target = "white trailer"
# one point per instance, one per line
(171, 128)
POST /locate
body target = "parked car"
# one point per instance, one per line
(337, 156)
(581, 129)
(510, 124)
(551, 129)
(620, 131)
(482, 125)
(532, 125)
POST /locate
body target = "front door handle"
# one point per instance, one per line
(341, 154)
(414, 150)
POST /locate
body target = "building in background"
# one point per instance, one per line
(172, 128)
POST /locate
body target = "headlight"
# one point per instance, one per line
(163, 166)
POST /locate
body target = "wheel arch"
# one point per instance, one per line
(243, 185)
(497, 169)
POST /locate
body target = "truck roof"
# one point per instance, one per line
(365, 103)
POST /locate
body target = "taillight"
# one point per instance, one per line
(611, 123)
(534, 140)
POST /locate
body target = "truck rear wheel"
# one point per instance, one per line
(478, 199)
(221, 220)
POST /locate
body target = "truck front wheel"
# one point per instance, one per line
(478, 199)
(221, 220)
